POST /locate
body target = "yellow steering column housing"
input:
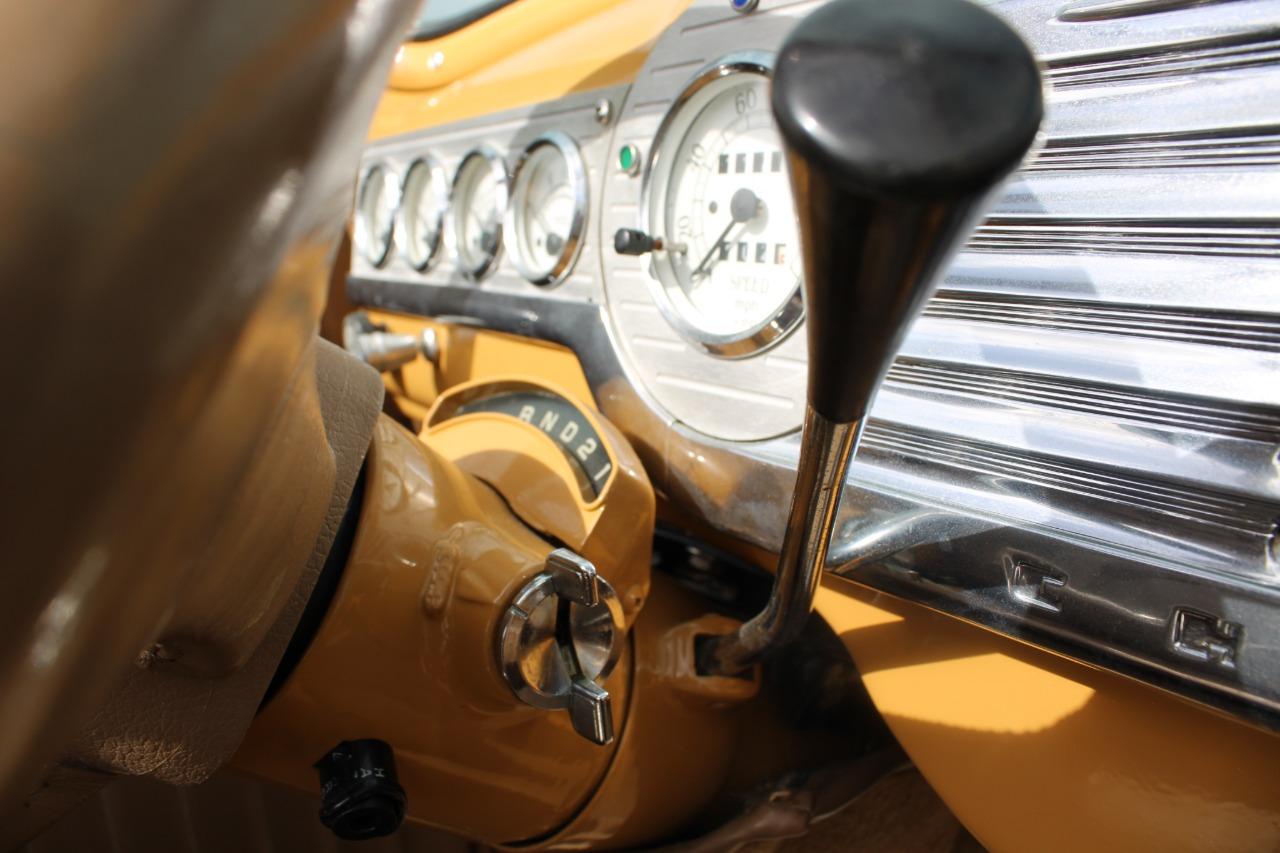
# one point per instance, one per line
(455, 523)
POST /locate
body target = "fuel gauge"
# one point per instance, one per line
(476, 204)
(424, 197)
(376, 203)
(548, 209)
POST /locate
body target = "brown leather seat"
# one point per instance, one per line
(174, 175)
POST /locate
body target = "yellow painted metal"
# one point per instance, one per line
(684, 732)
(530, 51)
(406, 654)
(529, 469)
(468, 354)
(1036, 752)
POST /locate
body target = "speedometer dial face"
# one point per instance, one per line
(548, 208)
(476, 207)
(376, 203)
(717, 192)
(423, 200)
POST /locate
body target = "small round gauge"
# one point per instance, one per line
(423, 199)
(717, 192)
(376, 203)
(548, 209)
(477, 204)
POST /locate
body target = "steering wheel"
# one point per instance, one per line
(175, 176)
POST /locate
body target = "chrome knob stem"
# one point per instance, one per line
(825, 451)
(383, 350)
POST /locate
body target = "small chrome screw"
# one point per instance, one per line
(604, 112)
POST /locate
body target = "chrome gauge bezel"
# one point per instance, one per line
(376, 249)
(663, 283)
(577, 172)
(492, 160)
(439, 185)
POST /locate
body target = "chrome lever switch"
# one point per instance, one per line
(384, 350)
(573, 577)
(590, 711)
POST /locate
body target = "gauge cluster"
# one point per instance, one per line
(498, 204)
(527, 203)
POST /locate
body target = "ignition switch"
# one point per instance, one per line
(560, 638)
(360, 796)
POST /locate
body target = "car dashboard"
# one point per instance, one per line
(1077, 445)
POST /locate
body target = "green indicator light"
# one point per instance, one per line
(629, 159)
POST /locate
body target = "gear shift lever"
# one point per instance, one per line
(899, 118)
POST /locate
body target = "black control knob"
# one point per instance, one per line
(360, 796)
(899, 118)
(629, 241)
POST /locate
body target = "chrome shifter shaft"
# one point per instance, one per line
(900, 119)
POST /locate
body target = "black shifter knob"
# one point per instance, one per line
(899, 118)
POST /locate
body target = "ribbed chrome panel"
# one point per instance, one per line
(1216, 328)
(1094, 390)
(1227, 146)
(1111, 402)
(1047, 234)
(1239, 527)
(1181, 59)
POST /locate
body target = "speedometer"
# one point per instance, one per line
(717, 192)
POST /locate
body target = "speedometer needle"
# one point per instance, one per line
(743, 207)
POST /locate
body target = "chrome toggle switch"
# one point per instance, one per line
(559, 640)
